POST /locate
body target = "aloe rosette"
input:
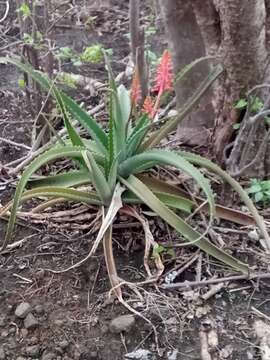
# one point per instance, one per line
(115, 162)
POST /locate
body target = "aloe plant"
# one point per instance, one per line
(112, 162)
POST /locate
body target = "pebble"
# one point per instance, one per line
(4, 333)
(24, 333)
(12, 344)
(2, 321)
(22, 310)
(48, 356)
(21, 358)
(59, 322)
(104, 329)
(32, 350)
(172, 355)
(63, 344)
(93, 355)
(140, 354)
(253, 235)
(39, 309)
(2, 353)
(33, 340)
(30, 321)
(122, 323)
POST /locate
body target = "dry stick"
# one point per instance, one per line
(14, 143)
(6, 12)
(142, 66)
(188, 264)
(188, 284)
(137, 45)
(205, 355)
(134, 27)
(259, 154)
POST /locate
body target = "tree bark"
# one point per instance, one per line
(244, 55)
(238, 32)
(186, 45)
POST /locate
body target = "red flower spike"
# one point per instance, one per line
(164, 75)
(148, 107)
(135, 91)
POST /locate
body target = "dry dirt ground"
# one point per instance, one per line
(70, 316)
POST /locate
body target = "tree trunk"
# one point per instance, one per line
(186, 45)
(238, 32)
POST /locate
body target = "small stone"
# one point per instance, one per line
(104, 329)
(122, 323)
(24, 333)
(48, 356)
(22, 310)
(12, 330)
(172, 354)
(33, 340)
(12, 344)
(30, 322)
(2, 321)
(20, 358)
(32, 350)
(93, 355)
(4, 333)
(40, 274)
(253, 235)
(140, 354)
(39, 309)
(59, 322)
(2, 353)
(63, 344)
(59, 350)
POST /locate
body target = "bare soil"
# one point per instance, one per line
(74, 309)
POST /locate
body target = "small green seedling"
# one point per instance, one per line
(92, 54)
(256, 104)
(259, 191)
(24, 10)
(256, 107)
(161, 250)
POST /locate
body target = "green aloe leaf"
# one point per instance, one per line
(86, 197)
(118, 111)
(52, 154)
(199, 160)
(159, 186)
(131, 166)
(173, 201)
(137, 135)
(192, 236)
(69, 179)
(125, 104)
(97, 177)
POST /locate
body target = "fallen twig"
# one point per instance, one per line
(6, 12)
(188, 284)
(10, 142)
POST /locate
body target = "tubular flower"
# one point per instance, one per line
(163, 81)
(135, 91)
(148, 107)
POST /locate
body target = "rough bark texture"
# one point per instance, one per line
(244, 55)
(238, 32)
(137, 41)
(186, 45)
